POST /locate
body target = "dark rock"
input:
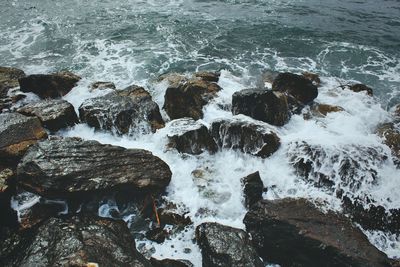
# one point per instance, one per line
(360, 88)
(123, 111)
(396, 112)
(78, 241)
(173, 218)
(313, 77)
(9, 79)
(157, 235)
(187, 98)
(102, 86)
(17, 133)
(269, 76)
(189, 136)
(208, 76)
(247, 137)
(263, 105)
(7, 188)
(391, 137)
(54, 114)
(294, 232)
(170, 263)
(322, 110)
(225, 246)
(67, 167)
(253, 189)
(49, 85)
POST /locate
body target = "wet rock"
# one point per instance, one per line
(253, 189)
(360, 88)
(293, 232)
(313, 77)
(49, 85)
(55, 114)
(9, 79)
(17, 133)
(170, 263)
(264, 105)
(157, 235)
(269, 76)
(124, 111)
(255, 139)
(187, 98)
(78, 241)
(396, 112)
(322, 110)
(208, 76)
(102, 86)
(72, 167)
(391, 137)
(7, 189)
(191, 137)
(225, 246)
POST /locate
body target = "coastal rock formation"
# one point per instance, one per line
(322, 110)
(170, 263)
(7, 189)
(391, 137)
(293, 232)
(359, 87)
(101, 86)
(313, 77)
(208, 76)
(189, 136)
(73, 167)
(9, 79)
(267, 106)
(245, 136)
(49, 85)
(54, 114)
(253, 189)
(225, 246)
(123, 111)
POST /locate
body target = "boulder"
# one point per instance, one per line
(17, 133)
(252, 138)
(186, 98)
(77, 241)
(49, 85)
(360, 88)
(123, 111)
(253, 189)
(101, 86)
(264, 105)
(225, 246)
(9, 79)
(293, 232)
(170, 263)
(322, 110)
(7, 189)
(391, 137)
(72, 167)
(208, 76)
(313, 77)
(54, 114)
(191, 137)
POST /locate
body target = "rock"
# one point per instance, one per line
(360, 88)
(9, 79)
(269, 76)
(157, 235)
(264, 105)
(7, 189)
(49, 85)
(17, 133)
(255, 139)
(102, 85)
(391, 137)
(208, 76)
(170, 263)
(313, 77)
(293, 232)
(124, 111)
(55, 114)
(299, 90)
(78, 241)
(396, 112)
(191, 137)
(253, 189)
(187, 98)
(225, 246)
(72, 167)
(322, 110)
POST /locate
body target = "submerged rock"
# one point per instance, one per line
(225, 246)
(54, 114)
(263, 105)
(360, 88)
(189, 136)
(49, 85)
(124, 111)
(9, 79)
(245, 136)
(102, 86)
(66, 167)
(253, 189)
(313, 77)
(391, 137)
(208, 76)
(293, 232)
(7, 189)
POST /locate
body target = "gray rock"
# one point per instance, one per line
(208, 76)
(390, 134)
(225, 246)
(170, 263)
(9, 79)
(102, 86)
(253, 189)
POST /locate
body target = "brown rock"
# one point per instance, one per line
(208, 76)
(313, 77)
(102, 86)
(360, 88)
(9, 79)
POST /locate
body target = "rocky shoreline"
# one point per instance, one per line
(80, 173)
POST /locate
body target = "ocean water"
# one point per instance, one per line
(133, 42)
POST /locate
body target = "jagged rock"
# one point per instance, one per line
(170, 263)
(102, 86)
(49, 85)
(225, 246)
(293, 232)
(391, 137)
(324, 109)
(263, 105)
(360, 88)
(17, 133)
(77, 241)
(396, 112)
(7, 189)
(247, 137)
(208, 76)
(9, 79)
(313, 77)
(186, 98)
(54, 114)
(157, 235)
(123, 111)
(253, 189)
(189, 136)
(73, 167)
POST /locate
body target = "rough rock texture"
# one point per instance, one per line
(391, 137)
(247, 137)
(54, 114)
(263, 105)
(225, 246)
(313, 77)
(9, 79)
(189, 136)
(361, 88)
(17, 133)
(208, 76)
(253, 189)
(292, 232)
(170, 263)
(49, 85)
(7, 189)
(71, 166)
(269, 76)
(186, 98)
(322, 110)
(102, 86)
(77, 241)
(123, 111)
